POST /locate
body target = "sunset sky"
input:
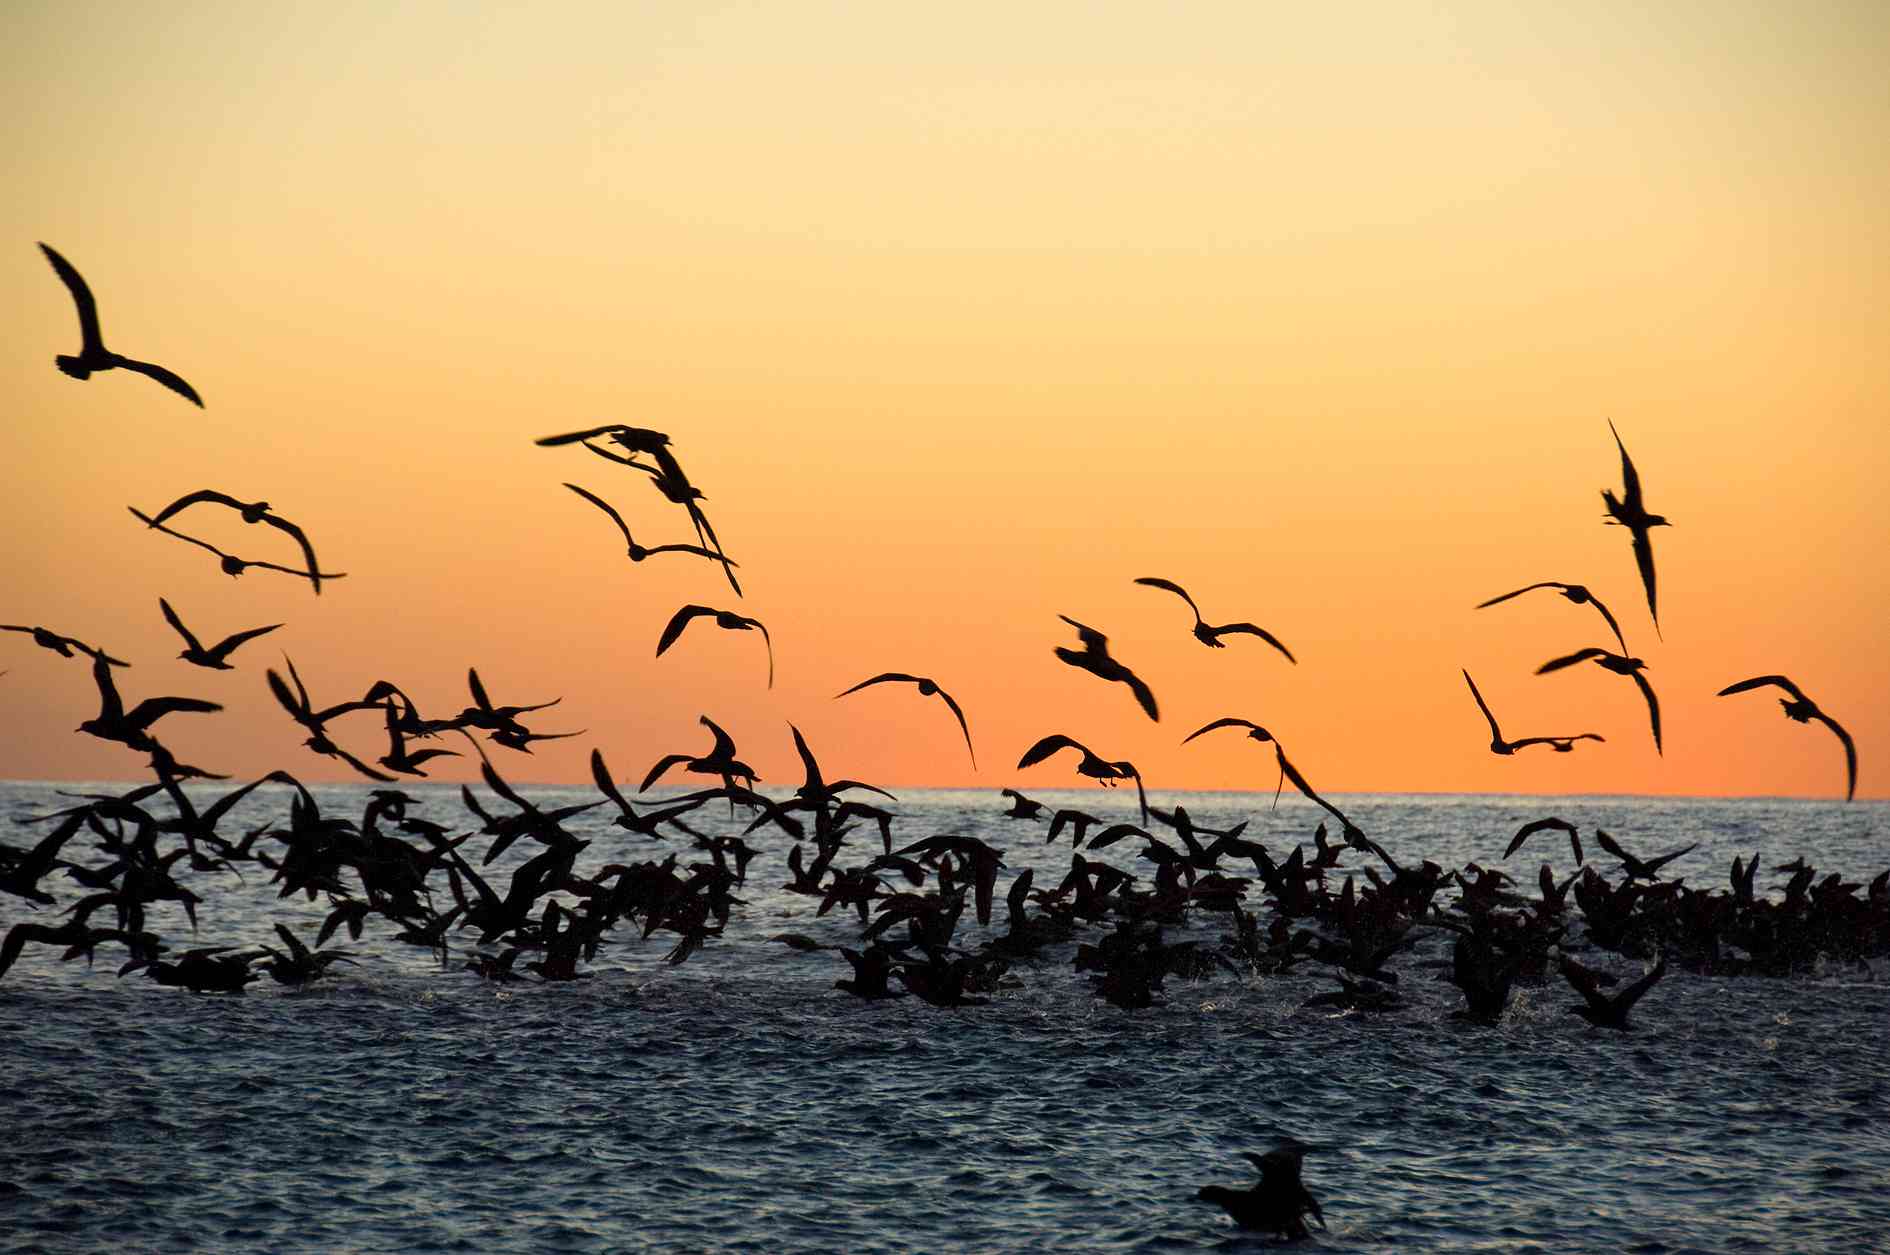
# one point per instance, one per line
(963, 317)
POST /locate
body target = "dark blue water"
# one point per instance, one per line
(738, 1102)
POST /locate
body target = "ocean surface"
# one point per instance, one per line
(739, 1102)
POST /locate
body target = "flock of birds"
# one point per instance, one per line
(432, 885)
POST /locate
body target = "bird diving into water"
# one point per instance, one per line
(1629, 512)
(93, 356)
(1801, 709)
(927, 688)
(1094, 658)
(1561, 744)
(1210, 634)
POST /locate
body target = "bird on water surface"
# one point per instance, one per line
(1279, 1202)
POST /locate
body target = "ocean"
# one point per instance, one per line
(738, 1101)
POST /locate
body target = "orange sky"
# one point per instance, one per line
(964, 318)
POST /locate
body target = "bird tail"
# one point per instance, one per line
(74, 366)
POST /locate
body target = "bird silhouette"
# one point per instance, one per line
(217, 658)
(1092, 765)
(1630, 667)
(1550, 824)
(1279, 1202)
(251, 512)
(1209, 634)
(93, 356)
(719, 761)
(1639, 868)
(1094, 658)
(1603, 1010)
(1577, 593)
(927, 688)
(1561, 744)
(1801, 709)
(723, 619)
(639, 552)
(63, 645)
(233, 565)
(133, 727)
(1629, 512)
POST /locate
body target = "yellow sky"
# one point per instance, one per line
(963, 318)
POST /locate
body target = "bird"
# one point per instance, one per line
(1639, 868)
(93, 356)
(133, 728)
(217, 658)
(1801, 709)
(1629, 512)
(251, 512)
(1561, 744)
(719, 761)
(1209, 634)
(1600, 1009)
(1620, 665)
(1550, 824)
(1093, 765)
(63, 645)
(1279, 1202)
(1577, 593)
(723, 619)
(639, 552)
(233, 565)
(1094, 658)
(927, 688)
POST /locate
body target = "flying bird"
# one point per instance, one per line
(723, 619)
(1577, 593)
(639, 552)
(133, 728)
(1550, 824)
(1094, 658)
(63, 645)
(1629, 512)
(1630, 667)
(217, 658)
(251, 512)
(1561, 744)
(233, 565)
(1209, 634)
(1640, 868)
(927, 688)
(93, 355)
(1801, 709)
(1092, 765)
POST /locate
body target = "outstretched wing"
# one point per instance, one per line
(170, 379)
(605, 506)
(1048, 746)
(884, 677)
(959, 714)
(1850, 753)
(81, 297)
(228, 644)
(1653, 707)
(1569, 660)
(1254, 629)
(1496, 733)
(1176, 589)
(1612, 625)
(1143, 694)
(1483, 605)
(1533, 827)
(1229, 722)
(192, 498)
(315, 576)
(170, 617)
(1630, 479)
(680, 620)
(1761, 681)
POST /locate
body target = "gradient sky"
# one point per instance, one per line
(964, 317)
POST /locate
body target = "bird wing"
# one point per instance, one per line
(815, 784)
(170, 379)
(662, 765)
(1850, 752)
(1048, 746)
(192, 498)
(478, 690)
(573, 437)
(1632, 994)
(677, 622)
(170, 617)
(1496, 733)
(81, 297)
(111, 707)
(1229, 722)
(1644, 559)
(1254, 629)
(1630, 479)
(1143, 694)
(1569, 660)
(601, 774)
(1613, 847)
(965, 728)
(283, 525)
(228, 644)
(1519, 592)
(767, 640)
(724, 743)
(1653, 706)
(1760, 681)
(1176, 589)
(1534, 826)
(151, 709)
(1583, 982)
(606, 507)
(1612, 625)
(882, 678)
(697, 550)
(148, 521)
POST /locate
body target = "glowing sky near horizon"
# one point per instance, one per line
(964, 318)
